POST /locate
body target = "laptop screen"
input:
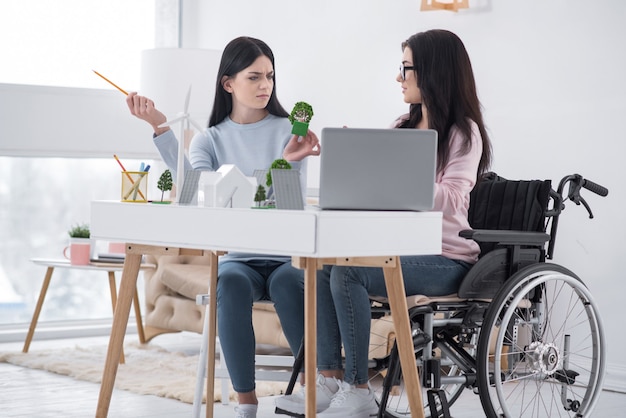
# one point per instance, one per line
(377, 169)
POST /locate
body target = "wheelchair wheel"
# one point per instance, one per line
(391, 394)
(541, 351)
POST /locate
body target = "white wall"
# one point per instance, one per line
(550, 76)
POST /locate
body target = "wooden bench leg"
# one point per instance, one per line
(42, 296)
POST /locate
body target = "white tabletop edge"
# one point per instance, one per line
(310, 233)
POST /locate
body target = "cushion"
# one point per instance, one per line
(188, 280)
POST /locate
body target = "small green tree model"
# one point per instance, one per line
(260, 195)
(300, 117)
(277, 164)
(165, 182)
(79, 231)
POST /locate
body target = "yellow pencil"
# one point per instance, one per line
(110, 82)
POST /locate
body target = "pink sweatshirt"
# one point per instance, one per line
(452, 195)
(453, 185)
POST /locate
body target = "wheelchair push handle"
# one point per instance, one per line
(595, 187)
(576, 183)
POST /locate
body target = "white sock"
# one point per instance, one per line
(248, 407)
(331, 384)
(363, 391)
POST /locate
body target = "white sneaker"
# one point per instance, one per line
(245, 412)
(351, 401)
(295, 404)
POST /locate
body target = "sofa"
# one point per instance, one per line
(170, 305)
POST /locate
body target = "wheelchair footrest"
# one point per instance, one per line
(437, 397)
(284, 412)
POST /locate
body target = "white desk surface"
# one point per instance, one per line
(310, 232)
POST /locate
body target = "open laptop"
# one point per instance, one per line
(377, 169)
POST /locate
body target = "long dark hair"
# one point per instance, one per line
(239, 54)
(446, 81)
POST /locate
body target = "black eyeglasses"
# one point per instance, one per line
(403, 69)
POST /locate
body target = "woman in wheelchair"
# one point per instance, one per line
(521, 332)
(437, 82)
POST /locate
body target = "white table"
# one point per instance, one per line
(312, 237)
(109, 268)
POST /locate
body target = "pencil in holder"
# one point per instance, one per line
(135, 186)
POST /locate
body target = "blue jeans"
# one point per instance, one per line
(239, 285)
(343, 306)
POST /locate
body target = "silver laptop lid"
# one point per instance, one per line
(377, 169)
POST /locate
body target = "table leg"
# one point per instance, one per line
(310, 335)
(113, 290)
(42, 296)
(128, 286)
(136, 305)
(400, 315)
(140, 331)
(212, 312)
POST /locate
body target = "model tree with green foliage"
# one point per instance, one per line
(165, 182)
(260, 195)
(279, 164)
(300, 117)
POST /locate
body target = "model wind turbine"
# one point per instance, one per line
(186, 121)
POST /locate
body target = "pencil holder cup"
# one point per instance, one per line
(135, 186)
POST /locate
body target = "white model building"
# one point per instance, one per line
(228, 187)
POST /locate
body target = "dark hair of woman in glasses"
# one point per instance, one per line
(445, 78)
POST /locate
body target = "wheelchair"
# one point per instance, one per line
(522, 333)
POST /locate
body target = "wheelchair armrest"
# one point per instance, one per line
(506, 237)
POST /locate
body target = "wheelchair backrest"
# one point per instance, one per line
(506, 205)
(514, 205)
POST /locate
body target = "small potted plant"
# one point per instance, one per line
(164, 184)
(79, 231)
(300, 117)
(81, 248)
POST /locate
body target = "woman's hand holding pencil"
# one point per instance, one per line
(143, 108)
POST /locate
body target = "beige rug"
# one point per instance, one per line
(148, 370)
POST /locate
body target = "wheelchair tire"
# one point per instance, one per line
(541, 351)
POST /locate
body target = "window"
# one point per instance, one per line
(41, 199)
(59, 43)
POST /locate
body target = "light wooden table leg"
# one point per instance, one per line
(310, 335)
(113, 290)
(42, 296)
(140, 331)
(400, 315)
(128, 286)
(212, 312)
(137, 306)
